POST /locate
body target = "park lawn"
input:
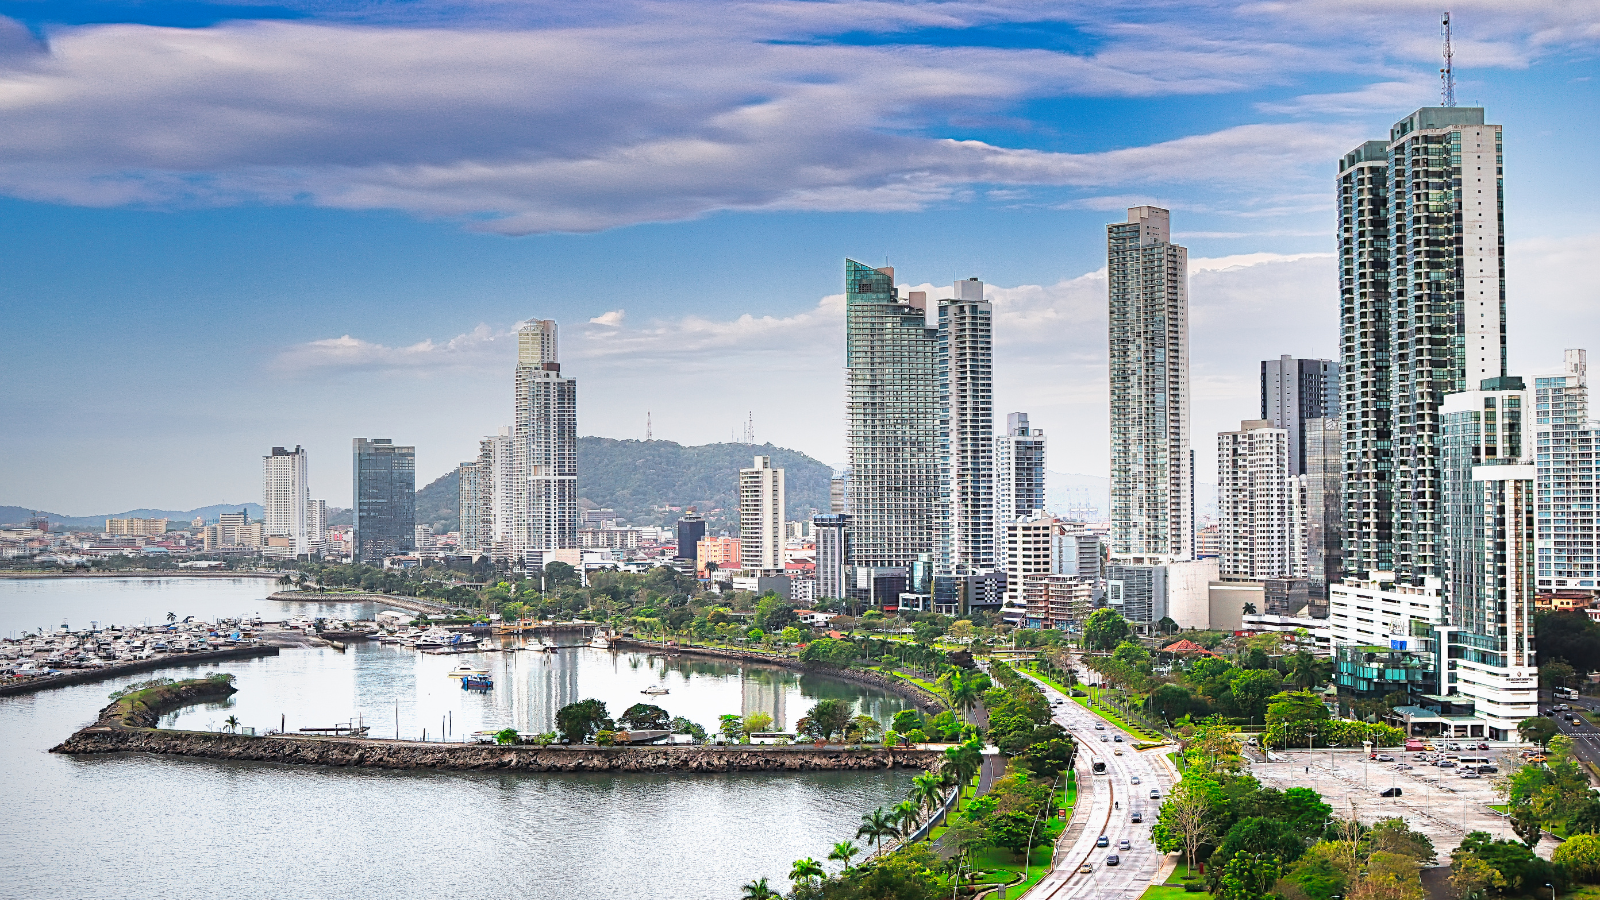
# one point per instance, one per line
(1002, 866)
(1110, 715)
(1501, 808)
(1582, 892)
(1171, 892)
(1048, 680)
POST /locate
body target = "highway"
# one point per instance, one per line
(1106, 803)
(1585, 737)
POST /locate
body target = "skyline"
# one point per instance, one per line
(288, 324)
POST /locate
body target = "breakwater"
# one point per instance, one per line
(409, 604)
(170, 661)
(371, 753)
(924, 699)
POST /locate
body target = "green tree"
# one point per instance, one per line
(680, 725)
(1251, 690)
(928, 790)
(907, 720)
(827, 718)
(755, 890)
(1537, 729)
(805, 870)
(877, 826)
(1009, 831)
(231, 723)
(1306, 669)
(644, 716)
(1580, 856)
(1248, 876)
(756, 723)
(1187, 819)
(1104, 629)
(926, 632)
(1555, 673)
(732, 727)
(579, 721)
(792, 635)
(1471, 878)
(507, 736)
(906, 813)
(843, 852)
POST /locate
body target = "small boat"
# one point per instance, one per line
(655, 690)
(477, 683)
(601, 641)
(465, 671)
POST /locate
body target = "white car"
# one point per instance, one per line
(1134, 780)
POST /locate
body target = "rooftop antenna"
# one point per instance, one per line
(1447, 75)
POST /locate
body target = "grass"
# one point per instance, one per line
(1110, 715)
(1002, 866)
(1171, 892)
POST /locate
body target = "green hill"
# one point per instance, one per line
(649, 482)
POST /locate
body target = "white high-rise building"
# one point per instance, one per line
(545, 441)
(1256, 503)
(285, 499)
(1566, 440)
(761, 504)
(317, 525)
(1152, 499)
(1019, 472)
(966, 431)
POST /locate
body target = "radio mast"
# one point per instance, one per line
(1447, 75)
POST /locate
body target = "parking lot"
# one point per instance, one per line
(1436, 802)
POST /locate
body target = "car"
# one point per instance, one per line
(1138, 816)
(1454, 747)
(1390, 792)
(1468, 773)
(1124, 844)
(1099, 727)
(1102, 841)
(1112, 860)
(1155, 794)
(1447, 764)
(1133, 780)
(1384, 757)
(1402, 768)
(1085, 869)
(1119, 751)
(1117, 738)
(1104, 738)
(1482, 746)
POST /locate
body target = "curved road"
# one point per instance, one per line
(1111, 800)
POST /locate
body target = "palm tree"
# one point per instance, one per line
(962, 691)
(172, 617)
(1249, 609)
(906, 813)
(758, 890)
(284, 580)
(963, 762)
(807, 869)
(232, 723)
(1305, 670)
(300, 581)
(928, 790)
(875, 826)
(843, 852)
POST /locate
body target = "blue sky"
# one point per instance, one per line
(228, 227)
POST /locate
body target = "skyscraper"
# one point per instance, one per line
(761, 504)
(500, 493)
(1019, 467)
(892, 409)
(691, 529)
(1364, 352)
(1488, 531)
(1320, 494)
(317, 525)
(285, 497)
(469, 504)
(1447, 295)
(1294, 390)
(1254, 502)
(966, 431)
(833, 555)
(1152, 513)
(384, 505)
(545, 511)
(1566, 441)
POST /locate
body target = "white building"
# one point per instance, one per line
(761, 506)
(966, 431)
(1567, 526)
(545, 441)
(1255, 502)
(285, 500)
(1381, 613)
(1152, 499)
(317, 524)
(1019, 473)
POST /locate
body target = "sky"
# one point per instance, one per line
(226, 227)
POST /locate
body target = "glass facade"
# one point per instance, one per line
(385, 481)
(1566, 441)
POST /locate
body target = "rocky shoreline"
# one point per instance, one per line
(389, 754)
(409, 604)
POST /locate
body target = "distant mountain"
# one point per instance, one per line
(20, 515)
(644, 480)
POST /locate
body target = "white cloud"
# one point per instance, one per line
(473, 350)
(610, 319)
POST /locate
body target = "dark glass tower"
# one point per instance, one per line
(385, 506)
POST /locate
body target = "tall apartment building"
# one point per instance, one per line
(1152, 499)
(1255, 502)
(469, 503)
(1294, 390)
(384, 502)
(1019, 473)
(1565, 442)
(1489, 553)
(839, 493)
(285, 496)
(761, 505)
(1034, 545)
(1447, 303)
(1365, 359)
(500, 493)
(317, 525)
(892, 412)
(140, 527)
(966, 431)
(1320, 511)
(545, 441)
(833, 555)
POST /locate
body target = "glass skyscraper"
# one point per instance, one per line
(892, 406)
(1152, 500)
(384, 505)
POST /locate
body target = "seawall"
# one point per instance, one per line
(409, 604)
(925, 700)
(388, 754)
(89, 676)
